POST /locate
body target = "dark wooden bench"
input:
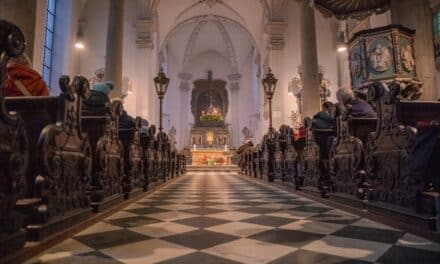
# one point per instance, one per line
(394, 186)
(134, 181)
(108, 162)
(37, 113)
(13, 150)
(347, 159)
(64, 161)
(148, 143)
(315, 159)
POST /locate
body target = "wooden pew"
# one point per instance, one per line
(14, 150)
(133, 181)
(150, 148)
(64, 161)
(394, 188)
(37, 113)
(161, 141)
(347, 159)
(316, 160)
(289, 156)
(268, 148)
(108, 163)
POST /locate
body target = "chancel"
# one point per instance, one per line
(219, 131)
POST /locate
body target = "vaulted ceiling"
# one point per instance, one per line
(229, 28)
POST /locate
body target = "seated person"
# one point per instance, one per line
(126, 121)
(325, 119)
(359, 107)
(94, 105)
(22, 80)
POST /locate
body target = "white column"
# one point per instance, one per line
(417, 15)
(144, 47)
(185, 106)
(234, 89)
(114, 48)
(276, 30)
(342, 59)
(309, 60)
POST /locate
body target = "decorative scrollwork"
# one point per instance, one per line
(346, 158)
(311, 158)
(14, 149)
(109, 161)
(387, 152)
(65, 158)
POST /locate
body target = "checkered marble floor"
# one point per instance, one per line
(220, 218)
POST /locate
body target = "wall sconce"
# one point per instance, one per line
(79, 44)
(341, 45)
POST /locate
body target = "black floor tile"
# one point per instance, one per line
(291, 238)
(200, 239)
(133, 221)
(371, 234)
(202, 211)
(201, 221)
(405, 255)
(269, 220)
(146, 210)
(199, 258)
(305, 256)
(312, 209)
(256, 210)
(111, 238)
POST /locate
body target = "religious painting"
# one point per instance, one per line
(380, 60)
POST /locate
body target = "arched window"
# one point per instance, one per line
(48, 40)
(436, 24)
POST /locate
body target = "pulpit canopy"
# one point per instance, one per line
(357, 9)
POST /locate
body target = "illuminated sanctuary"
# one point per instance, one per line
(220, 131)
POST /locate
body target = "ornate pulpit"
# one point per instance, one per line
(384, 54)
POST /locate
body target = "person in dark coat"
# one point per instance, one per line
(94, 105)
(325, 119)
(359, 107)
(126, 121)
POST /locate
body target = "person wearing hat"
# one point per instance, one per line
(94, 105)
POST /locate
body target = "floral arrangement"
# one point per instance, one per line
(211, 118)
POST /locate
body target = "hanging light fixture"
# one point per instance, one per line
(211, 113)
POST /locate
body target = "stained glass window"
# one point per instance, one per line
(436, 24)
(48, 40)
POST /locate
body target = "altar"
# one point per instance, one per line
(209, 106)
(210, 157)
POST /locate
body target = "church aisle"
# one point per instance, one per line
(221, 218)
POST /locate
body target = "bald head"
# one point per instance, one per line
(344, 95)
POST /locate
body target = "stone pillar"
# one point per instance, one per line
(144, 46)
(185, 106)
(234, 89)
(23, 14)
(309, 60)
(342, 58)
(276, 31)
(114, 48)
(417, 15)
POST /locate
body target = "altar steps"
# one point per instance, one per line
(226, 168)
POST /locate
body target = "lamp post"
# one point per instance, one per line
(269, 84)
(161, 83)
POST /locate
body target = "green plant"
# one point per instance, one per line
(211, 118)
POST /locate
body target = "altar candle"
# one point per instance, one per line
(195, 148)
(226, 147)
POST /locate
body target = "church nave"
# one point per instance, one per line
(220, 217)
